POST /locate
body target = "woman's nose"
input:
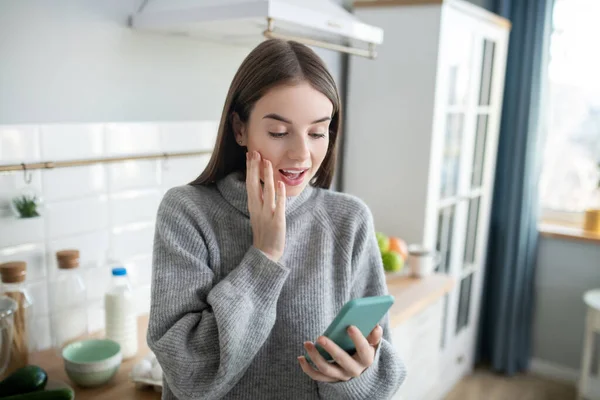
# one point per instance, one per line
(299, 149)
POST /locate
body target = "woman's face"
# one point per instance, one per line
(289, 126)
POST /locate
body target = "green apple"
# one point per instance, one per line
(392, 261)
(383, 241)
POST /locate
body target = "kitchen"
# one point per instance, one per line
(78, 83)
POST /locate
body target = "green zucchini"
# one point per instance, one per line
(56, 394)
(30, 378)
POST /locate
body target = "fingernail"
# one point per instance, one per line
(246, 156)
(323, 341)
(307, 344)
(256, 155)
(351, 329)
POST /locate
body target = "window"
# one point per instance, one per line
(570, 173)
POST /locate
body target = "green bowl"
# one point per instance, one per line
(92, 362)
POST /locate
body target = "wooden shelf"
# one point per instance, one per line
(568, 232)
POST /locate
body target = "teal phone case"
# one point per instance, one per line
(364, 313)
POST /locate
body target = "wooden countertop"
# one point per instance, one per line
(120, 387)
(412, 295)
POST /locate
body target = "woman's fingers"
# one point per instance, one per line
(253, 181)
(313, 373)
(327, 369)
(375, 336)
(341, 357)
(280, 208)
(269, 191)
(364, 350)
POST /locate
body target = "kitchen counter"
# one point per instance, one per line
(120, 387)
(411, 296)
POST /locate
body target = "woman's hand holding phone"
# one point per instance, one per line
(346, 366)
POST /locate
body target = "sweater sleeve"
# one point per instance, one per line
(206, 336)
(383, 378)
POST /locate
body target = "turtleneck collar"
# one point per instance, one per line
(233, 190)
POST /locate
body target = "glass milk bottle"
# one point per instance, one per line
(120, 314)
(68, 311)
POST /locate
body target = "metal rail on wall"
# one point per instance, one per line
(78, 163)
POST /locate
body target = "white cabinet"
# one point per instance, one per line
(421, 140)
(417, 341)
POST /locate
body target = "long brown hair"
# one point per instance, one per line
(273, 62)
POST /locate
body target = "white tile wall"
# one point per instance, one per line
(72, 142)
(75, 182)
(133, 175)
(72, 217)
(106, 211)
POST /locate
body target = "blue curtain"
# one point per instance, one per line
(507, 304)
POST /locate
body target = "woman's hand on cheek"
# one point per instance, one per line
(267, 215)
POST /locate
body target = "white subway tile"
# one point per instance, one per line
(33, 254)
(74, 182)
(13, 184)
(188, 136)
(180, 171)
(133, 175)
(97, 281)
(133, 206)
(132, 138)
(132, 240)
(19, 144)
(93, 249)
(17, 231)
(139, 270)
(40, 337)
(142, 299)
(77, 216)
(72, 141)
(39, 294)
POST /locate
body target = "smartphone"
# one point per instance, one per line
(364, 313)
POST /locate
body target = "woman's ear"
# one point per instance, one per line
(239, 129)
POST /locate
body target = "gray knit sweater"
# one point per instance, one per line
(227, 322)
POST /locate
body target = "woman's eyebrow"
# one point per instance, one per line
(287, 121)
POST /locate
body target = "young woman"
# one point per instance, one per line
(254, 259)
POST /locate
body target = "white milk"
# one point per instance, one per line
(120, 314)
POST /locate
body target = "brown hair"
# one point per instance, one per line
(273, 62)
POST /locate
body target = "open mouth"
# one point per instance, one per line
(292, 177)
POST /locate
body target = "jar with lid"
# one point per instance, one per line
(13, 286)
(7, 322)
(68, 320)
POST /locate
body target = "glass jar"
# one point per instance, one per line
(13, 286)
(7, 313)
(68, 320)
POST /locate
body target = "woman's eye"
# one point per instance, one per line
(317, 135)
(277, 134)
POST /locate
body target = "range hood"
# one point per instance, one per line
(319, 23)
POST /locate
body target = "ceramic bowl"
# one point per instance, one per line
(92, 362)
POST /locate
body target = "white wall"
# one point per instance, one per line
(77, 61)
(106, 211)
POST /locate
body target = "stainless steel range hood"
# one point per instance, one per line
(320, 23)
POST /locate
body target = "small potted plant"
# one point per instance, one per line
(26, 205)
(592, 214)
